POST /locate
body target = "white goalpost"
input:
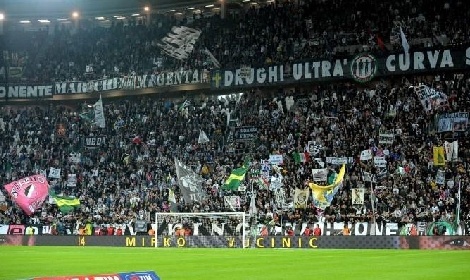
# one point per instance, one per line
(212, 229)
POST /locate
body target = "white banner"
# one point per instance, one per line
(366, 155)
(357, 196)
(452, 150)
(385, 138)
(320, 175)
(232, 202)
(54, 173)
(276, 159)
(72, 180)
(276, 183)
(430, 98)
(440, 177)
(452, 122)
(339, 160)
(380, 162)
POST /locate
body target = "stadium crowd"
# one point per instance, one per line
(128, 176)
(262, 34)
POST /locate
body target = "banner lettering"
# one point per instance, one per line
(122, 83)
(362, 68)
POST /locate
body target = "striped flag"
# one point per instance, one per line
(236, 178)
(301, 157)
(66, 204)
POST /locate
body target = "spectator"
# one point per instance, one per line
(129, 176)
(317, 230)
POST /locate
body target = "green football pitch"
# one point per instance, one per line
(206, 264)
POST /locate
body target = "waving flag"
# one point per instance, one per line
(323, 195)
(404, 41)
(66, 204)
(190, 183)
(179, 43)
(29, 193)
(202, 137)
(301, 157)
(236, 178)
(99, 113)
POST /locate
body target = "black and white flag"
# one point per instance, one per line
(430, 98)
(232, 202)
(452, 150)
(190, 183)
(99, 113)
(313, 148)
(179, 43)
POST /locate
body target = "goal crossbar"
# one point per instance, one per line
(160, 216)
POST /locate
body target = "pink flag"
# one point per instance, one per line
(29, 192)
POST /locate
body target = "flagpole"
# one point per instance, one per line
(252, 212)
(457, 218)
(372, 202)
(373, 176)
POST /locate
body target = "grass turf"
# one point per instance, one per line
(247, 264)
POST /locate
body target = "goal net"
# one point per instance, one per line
(217, 230)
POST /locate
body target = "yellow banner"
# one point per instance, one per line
(438, 158)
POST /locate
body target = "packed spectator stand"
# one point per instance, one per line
(272, 33)
(128, 177)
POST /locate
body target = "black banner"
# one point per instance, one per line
(262, 242)
(362, 68)
(245, 133)
(24, 91)
(92, 142)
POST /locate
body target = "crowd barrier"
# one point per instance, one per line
(265, 242)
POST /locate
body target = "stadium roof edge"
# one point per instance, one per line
(21, 9)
